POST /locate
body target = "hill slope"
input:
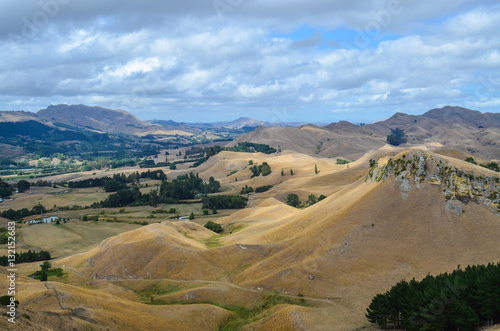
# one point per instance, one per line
(97, 118)
(414, 213)
(468, 131)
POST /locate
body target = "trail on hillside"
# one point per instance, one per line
(214, 282)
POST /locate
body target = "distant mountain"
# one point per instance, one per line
(464, 116)
(96, 118)
(250, 122)
(240, 123)
(167, 123)
(457, 128)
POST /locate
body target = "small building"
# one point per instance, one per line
(45, 220)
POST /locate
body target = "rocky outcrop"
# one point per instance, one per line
(459, 187)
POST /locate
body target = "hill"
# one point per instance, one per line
(415, 212)
(96, 118)
(470, 132)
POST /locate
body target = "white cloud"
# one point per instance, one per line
(135, 66)
(178, 56)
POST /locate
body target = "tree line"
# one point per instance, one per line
(224, 202)
(461, 300)
(25, 257)
(118, 178)
(184, 187)
(13, 215)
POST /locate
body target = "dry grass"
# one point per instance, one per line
(70, 238)
(360, 240)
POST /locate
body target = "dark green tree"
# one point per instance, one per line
(293, 200)
(23, 186)
(215, 227)
(397, 137)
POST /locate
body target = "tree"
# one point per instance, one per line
(316, 169)
(293, 200)
(214, 210)
(265, 169)
(114, 186)
(311, 199)
(191, 216)
(372, 163)
(379, 311)
(205, 211)
(154, 198)
(45, 267)
(43, 275)
(38, 209)
(215, 227)
(23, 186)
(291, 172)
(282, 172)
(397, 137)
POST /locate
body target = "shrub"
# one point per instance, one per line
(246, 190)
(470, 159)
(261, 189)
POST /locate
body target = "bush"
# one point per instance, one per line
(246, 190)
(215, 227)
(261, 189)
(191, 216)
(205, 211)
(470, 159)
(6, 299)
(492, 166)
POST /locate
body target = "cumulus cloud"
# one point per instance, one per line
(166, 59)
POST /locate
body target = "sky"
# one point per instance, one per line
(273, 60)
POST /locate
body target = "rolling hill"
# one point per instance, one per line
(449, 128)
(96, 118)
(414, 213)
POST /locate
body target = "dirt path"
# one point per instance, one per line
(213, 282)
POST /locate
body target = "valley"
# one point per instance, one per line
(310, 231)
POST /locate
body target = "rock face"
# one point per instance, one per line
(459, 187)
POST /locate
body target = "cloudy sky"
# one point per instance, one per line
(278, 60)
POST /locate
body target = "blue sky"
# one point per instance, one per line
(276, 60)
